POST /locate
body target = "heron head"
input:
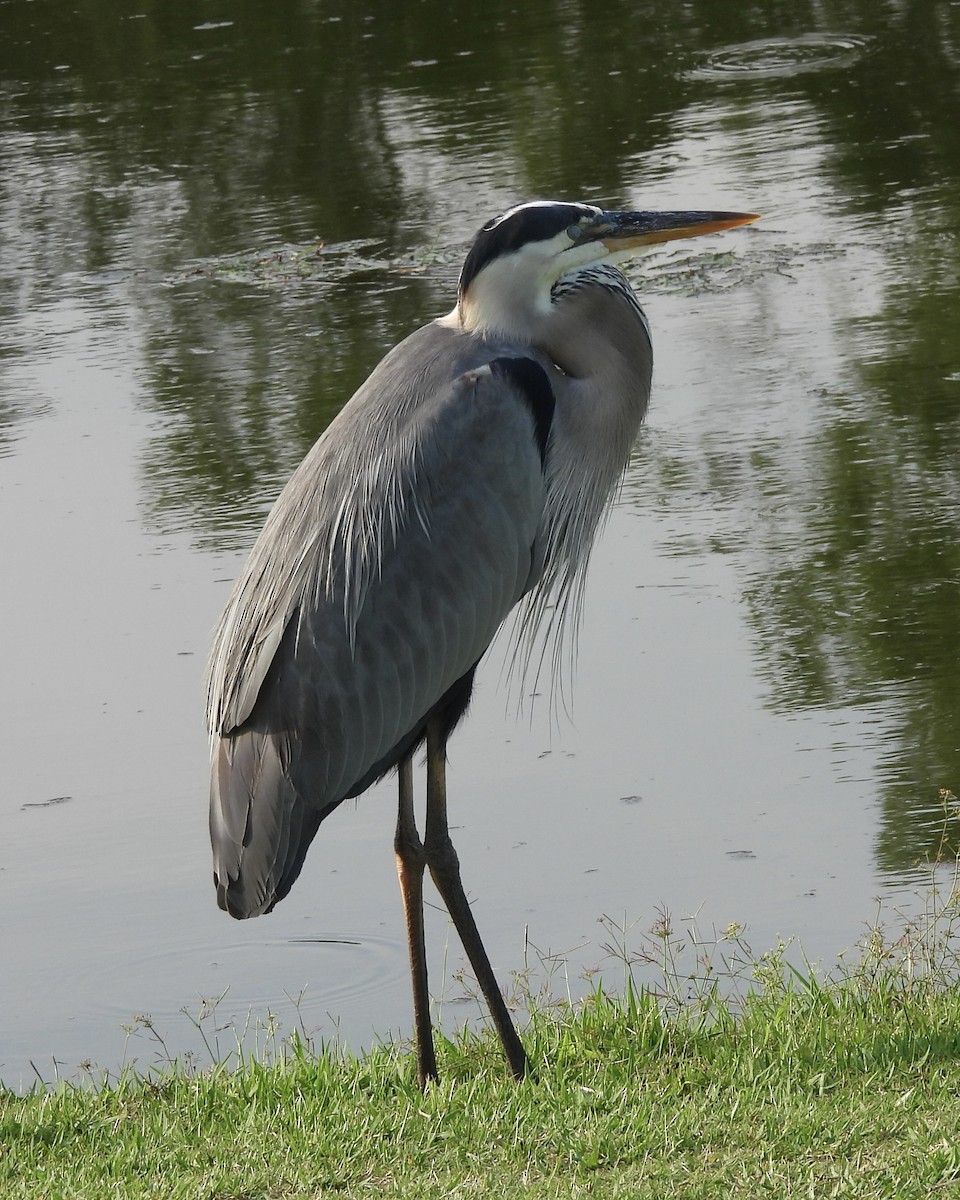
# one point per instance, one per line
(508, 275)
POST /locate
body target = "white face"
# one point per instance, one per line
(511, 293)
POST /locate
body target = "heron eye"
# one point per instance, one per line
(574, 232)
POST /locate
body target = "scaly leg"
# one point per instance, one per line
(411, 859)
(444, 866)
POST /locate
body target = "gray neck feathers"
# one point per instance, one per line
(599, 338)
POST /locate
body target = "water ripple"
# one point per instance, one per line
(328, 972)
(779, 57)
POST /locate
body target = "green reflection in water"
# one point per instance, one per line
(136, 145)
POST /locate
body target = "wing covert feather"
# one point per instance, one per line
(381, 576)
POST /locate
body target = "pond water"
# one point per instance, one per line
(214, 220)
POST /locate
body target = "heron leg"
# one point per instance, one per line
(441, 857)
(411, 860)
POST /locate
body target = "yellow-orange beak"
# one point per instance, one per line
(621, 231)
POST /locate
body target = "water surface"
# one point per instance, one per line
(212, 228)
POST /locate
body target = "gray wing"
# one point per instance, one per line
(382, 574)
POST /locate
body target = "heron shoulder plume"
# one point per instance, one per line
(401, 459)
(339, 512)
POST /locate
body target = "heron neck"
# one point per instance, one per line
(598, 336)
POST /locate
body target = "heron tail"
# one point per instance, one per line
(260, 827)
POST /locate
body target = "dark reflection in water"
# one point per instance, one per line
(240, 207)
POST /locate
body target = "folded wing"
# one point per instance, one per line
(382, 574)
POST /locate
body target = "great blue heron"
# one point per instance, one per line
(469, 472)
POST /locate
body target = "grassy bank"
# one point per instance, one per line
(701, 1087)
(812, 1092)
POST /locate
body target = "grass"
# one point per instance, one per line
(742, 1076)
